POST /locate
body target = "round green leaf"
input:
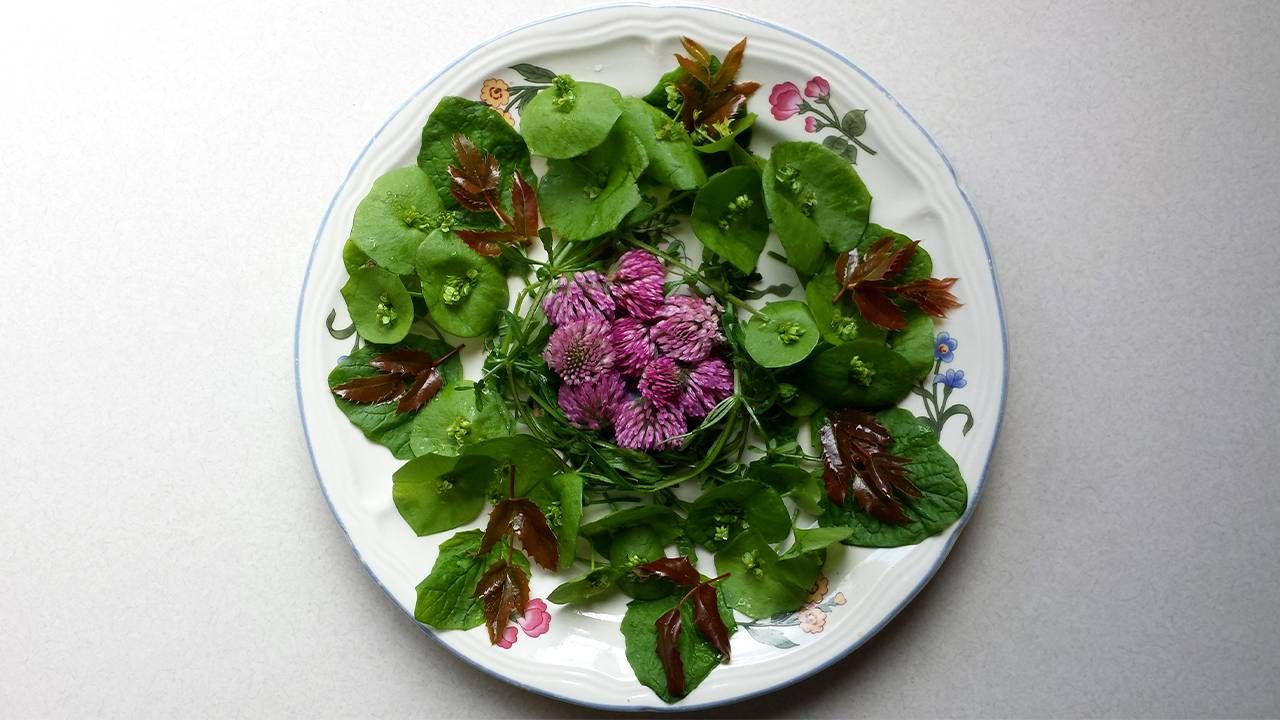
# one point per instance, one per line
(378, 304)
(729, 217)
(601, 533)
(353, 258)
(723, 512)
(672, 159)
(915, 343)
(533, 461)
(589, 195)
(863, 374)
(568, 118)
(782, 334)
(814, 197)
(759, 583)
(586, 587)
(838, 321)
(389, 222)
(464, 291)
(452, 420)
(438, 492)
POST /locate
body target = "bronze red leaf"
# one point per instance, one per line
(677, 569)
(706, 617)
(403, 361)
(370, 390)
(857, 460)
(425, 387)
(668, 626)
(503, 590)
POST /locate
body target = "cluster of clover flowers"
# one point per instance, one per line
(633, 359)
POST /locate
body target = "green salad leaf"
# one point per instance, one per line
(569, 117)
(489, 132)
(585, 588)
(782, 334)
(588, 196)
(465, 292)
(435, 493)
(353, 258)
(915, 343)
(381, 423)
(379, 305)
(760, 583)
(816, 200)
(729, 217)
(533, 461)
(721, 513)
(445, 599)
(454, 419)
(395, 217)
(672, 159)
(862, 373)
(602, 533)
(639, 629)
(930, 468)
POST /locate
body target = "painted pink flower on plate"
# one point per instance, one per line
(811, 124)
(817, 87)
(812, 620)
(785, 100)
(536, 619)
(509, 637)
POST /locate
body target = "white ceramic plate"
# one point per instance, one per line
(579, 657)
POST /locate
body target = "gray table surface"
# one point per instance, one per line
(165, 550)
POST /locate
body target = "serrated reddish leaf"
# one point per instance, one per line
(874, 304)
(932, 295)
(425, 387)
(677, 569)
(523, 519)
(695, 50)
(870, 281)
(503, 590)
(729, 67)
(488, 242)
(857, 460)
(706, 617)
(370, 390)
(524, 208)
(498, 527)
(710, 99)
(535, 534)
(694, 69)
(475, 176)
(668, 626)
(403, 362)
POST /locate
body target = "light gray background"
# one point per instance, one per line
(165, 549)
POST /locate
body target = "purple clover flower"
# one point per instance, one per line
(662, 380)
(643, 424)
(638, 284)
(580, 352)
(688, 327)
(704, 386)
(581, 297)
(633, 348)
(592, 406)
